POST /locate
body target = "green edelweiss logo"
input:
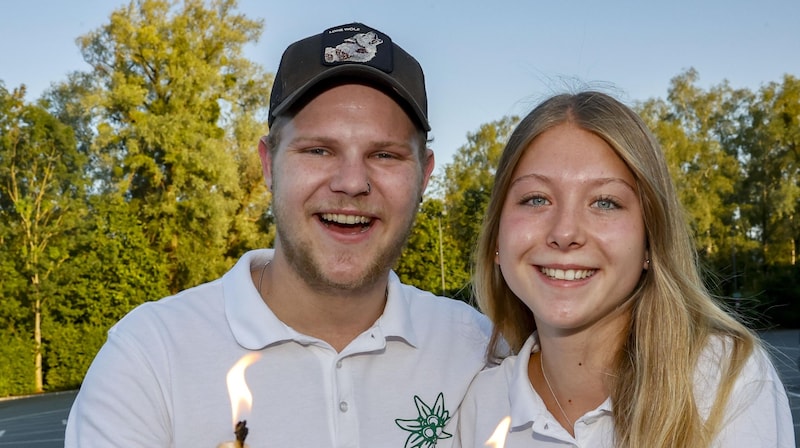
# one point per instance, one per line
(428, 427)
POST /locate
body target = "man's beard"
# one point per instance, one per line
(299, 255)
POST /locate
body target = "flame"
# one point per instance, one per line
(498, 438)
(241, 398)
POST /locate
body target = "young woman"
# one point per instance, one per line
(586, 266)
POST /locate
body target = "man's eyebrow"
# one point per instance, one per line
(327, 141)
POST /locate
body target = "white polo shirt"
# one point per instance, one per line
(159, 380)
(757, 415)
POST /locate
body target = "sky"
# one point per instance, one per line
(483, 60)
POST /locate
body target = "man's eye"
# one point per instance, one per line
(317, 151)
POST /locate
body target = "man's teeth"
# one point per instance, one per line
(568, 274)
(339, 218)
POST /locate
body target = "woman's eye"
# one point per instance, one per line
(606, 204)
(536, 201)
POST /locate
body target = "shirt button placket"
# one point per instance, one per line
(346, 417)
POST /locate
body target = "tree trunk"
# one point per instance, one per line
(37, 339)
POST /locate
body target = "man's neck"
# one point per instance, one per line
(336, 317)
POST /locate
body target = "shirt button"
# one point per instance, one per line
(343, 406)
(339, 364)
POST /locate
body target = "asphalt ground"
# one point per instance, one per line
(35, 422)
(39, 421)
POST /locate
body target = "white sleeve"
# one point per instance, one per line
(758, 412)
(121, 401)
(465, 423)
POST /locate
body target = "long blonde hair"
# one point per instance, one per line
(673, 312)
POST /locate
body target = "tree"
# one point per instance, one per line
(112, 270)
(41, 188)
(430, 259)
(691, 127)
(168, 78)
(467, 185)
(770, 150)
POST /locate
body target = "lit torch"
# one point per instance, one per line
(498, 438)
(241, 399)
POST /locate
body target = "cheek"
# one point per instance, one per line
(291, 188)
(627, 243)
(403, 189)
(516, 232)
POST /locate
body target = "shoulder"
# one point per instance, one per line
(757, 411)
(198, 304)
(495, 378)
(756, 377)
(716, 355)
(444, 306)
(438, 310)
(185, 306)
(487, 401)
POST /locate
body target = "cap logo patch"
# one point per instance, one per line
(360, 48)
(357, 44)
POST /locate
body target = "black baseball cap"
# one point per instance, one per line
(353, 51)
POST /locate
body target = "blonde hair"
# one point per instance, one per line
(673, 313)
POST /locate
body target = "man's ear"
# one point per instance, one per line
(428, 164)
(265, 155)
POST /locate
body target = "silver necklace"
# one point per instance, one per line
(261, 278)
(541, 364)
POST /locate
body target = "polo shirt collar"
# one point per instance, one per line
(527, 407)
(252, 323)
(255, 326)
(396, 320)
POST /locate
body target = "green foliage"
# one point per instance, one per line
(252, 227)
(691, 128)
(41, 186)
(735, 159)
(163, 129)
(430, 259)
(113, 269)
(70, 350)
(16, 370)
(13, 313)
(771, 148)
(467, 185)
(168, 78)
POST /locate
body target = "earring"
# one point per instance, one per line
(647, 261)
(497, 253)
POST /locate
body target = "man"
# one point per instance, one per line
(347, 355)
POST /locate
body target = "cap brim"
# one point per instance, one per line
(356, 71)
